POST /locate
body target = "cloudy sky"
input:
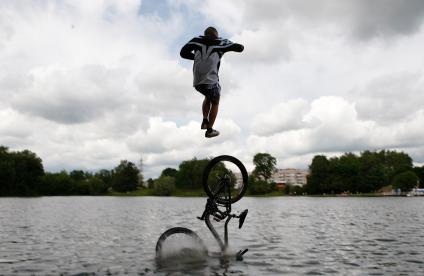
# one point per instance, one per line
(85, 84)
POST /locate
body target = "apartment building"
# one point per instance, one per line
(293, 177)
(282, 177)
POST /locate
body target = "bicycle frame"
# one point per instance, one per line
(217, 198)
(211, 209)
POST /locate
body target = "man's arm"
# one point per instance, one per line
(187, 50)
(234, 47)
(229, 46)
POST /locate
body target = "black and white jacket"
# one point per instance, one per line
(207, 54)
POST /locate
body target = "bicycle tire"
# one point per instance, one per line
(177, 230)
(208, 170)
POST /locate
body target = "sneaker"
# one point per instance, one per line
(205, 124)
(211, 133)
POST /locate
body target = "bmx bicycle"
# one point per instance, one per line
(222, 188)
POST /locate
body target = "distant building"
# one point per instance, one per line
(283, 177)
(292, 177)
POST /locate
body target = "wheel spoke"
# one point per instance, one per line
(221, 169)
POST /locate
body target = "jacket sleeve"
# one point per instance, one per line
(232, 47)
(187, 51)
(235, 47)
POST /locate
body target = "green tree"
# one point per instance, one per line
(105, 176)
(349, 171)
(190, 174)
(150, 183)
(293, 190)
(164, 186)
(96, 186)
(265, 165)
(319, 176)
(258, 186)
(80, 188)
(29, 171)
(125, 177)
(405, 181)
(419, 171)
(20, 172)
(344, 174)
(371, 173)
(394, 163)
(169, 172)
(78, 175)
(57, 184)
(7, 173)
(365, 173)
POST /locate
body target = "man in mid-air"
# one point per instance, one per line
(207, 51)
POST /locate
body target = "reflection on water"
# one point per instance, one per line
(117, 235)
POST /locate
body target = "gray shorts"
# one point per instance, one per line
(211, 91)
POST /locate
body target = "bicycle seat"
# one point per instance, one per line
(242, 217)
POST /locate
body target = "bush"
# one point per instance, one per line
(80, 188)
(405, 181)
(293, 190)
(259, 187)
(150, 183)
(126, 177)
(97, 186)
(56, 184)
(164, 186)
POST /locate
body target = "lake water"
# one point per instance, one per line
(285, 235)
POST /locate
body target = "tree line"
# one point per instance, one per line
(189, 174)
(22, 174)
(367, 172)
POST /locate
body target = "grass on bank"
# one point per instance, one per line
(201, 193)
(184, 193)
(151, 192)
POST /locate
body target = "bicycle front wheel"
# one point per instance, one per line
(225, 179)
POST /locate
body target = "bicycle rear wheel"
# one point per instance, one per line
(225, 179)
(180, 242)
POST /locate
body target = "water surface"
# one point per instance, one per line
(285, 235)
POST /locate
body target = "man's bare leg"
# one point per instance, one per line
(206, 108)
(213, 112)
(210, 110)
(212, 116)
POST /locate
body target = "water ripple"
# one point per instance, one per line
(117, 235)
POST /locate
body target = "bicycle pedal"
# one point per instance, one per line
(242, 217)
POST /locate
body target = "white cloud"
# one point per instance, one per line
(361, 19)
(166, 136)
(15, 128)
(264, 46)
(333, 125)
(164, 143)
(282, 117)
(71, 96)
(391, 98)
(85, 84)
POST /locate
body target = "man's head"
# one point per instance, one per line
(211, 33)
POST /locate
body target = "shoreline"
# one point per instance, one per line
(201, 193)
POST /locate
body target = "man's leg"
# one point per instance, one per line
(213, 112)
(206, 107)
